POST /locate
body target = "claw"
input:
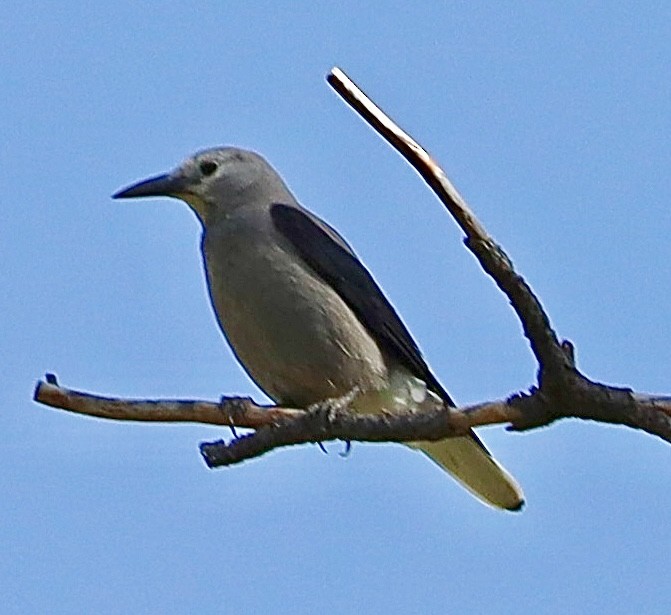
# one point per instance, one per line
(348, 449)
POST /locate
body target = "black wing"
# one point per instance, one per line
(330, 257)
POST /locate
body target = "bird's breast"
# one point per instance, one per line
(294, 335)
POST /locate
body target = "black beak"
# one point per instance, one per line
(161, 185)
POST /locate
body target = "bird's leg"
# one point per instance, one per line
(234, 407)
(325, 411)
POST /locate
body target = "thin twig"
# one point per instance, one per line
(494, 260)
(236, 411)
(243, 412)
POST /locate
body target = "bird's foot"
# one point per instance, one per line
(347, 450)
(234, 407)
(323, 413)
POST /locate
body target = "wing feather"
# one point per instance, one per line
(329, 256)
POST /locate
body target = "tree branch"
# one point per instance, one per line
(276, 426)
(230, 411)
(562, 391)
(492, 258)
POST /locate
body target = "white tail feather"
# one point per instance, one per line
(468, 461)
(465, 458)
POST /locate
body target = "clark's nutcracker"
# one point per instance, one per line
(301, 312)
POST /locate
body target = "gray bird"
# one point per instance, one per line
(302, 314)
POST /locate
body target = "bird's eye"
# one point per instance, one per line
(207, 167)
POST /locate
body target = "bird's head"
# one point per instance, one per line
(214, 182)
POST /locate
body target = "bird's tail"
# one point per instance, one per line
(468, 460)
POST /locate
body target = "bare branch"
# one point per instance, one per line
(562, 390)
(243, 412)
(231, 411)
(494, 260)
(331, 420)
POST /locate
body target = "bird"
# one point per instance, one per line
(302, 314)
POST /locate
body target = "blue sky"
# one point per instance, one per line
(552, 119)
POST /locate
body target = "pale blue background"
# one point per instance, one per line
(553, 119)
